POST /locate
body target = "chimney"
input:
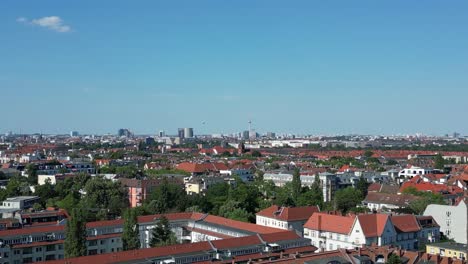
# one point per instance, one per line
(319, 224)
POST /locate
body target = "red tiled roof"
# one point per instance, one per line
(132, 255)
(330, 223)
(201, 167)
(240, 225)
(374, 187)
(427, 186)
(236, 242)
(405, 223)
(207, 232)
(289, 213)
(32, 230)
(373, 225)
(37, 244)
(387, 198)
(279, 236)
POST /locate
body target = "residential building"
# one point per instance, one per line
(376, 201)
(415, 171)
(448, 249)
(19, 202)
(331, 231)
(328, 181)
(139, 189)
(45, 242)
(453, 219)
(288, 218)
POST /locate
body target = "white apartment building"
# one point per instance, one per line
(414, 171)
(453, 219)
(331, 232)
(19, 202)
(328, 181)
(287, 218)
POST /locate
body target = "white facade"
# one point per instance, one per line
(453, 220)
(328, 182)
(414, 171)
(20, 202)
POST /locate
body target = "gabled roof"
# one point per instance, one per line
(373, 225)
(289, 213)
(387, 198)
(405, 223)
(330, 223)
(240, 225)
(201, 167)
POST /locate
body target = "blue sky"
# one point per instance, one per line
(318, 67)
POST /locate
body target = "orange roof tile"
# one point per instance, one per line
(330, 223)
(289, 213)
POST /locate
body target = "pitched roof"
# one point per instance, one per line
(240, 225)
(373, 225)
(387, 198)
(132, 255)
(201, 167)
(331, 223)
(405, 223)
(289, 213)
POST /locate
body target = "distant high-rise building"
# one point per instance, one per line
(188, 132)
(271, 135)
(74, 133)
(180, 133)
(149, 141)
(162, 133)
(245, 134)
(252, 134)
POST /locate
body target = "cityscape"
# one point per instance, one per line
(304, 132)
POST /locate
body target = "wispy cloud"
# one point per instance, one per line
(54, 23)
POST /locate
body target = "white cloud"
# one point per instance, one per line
(54, 23)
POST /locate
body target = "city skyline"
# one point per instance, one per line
(310, 68)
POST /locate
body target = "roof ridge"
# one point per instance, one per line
(211, 245)
(261, 238)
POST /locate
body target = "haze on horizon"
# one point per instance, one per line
(308, 67)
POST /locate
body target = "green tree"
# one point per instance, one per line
(16, 186)
(394, 259)
(162, 234)
(424, 199)
(256, 154)
(131, 233)
(296, 185)
(439, 162)
(259, 175)
(309, 196)
(106, 197)
(246, 195)
(37, 207)
(347, 198)
(216, 196)
(167, 197)
(45, 192)
(284, 196)
(31, 170)
(362, 186)
(368, 153)
(75, 237)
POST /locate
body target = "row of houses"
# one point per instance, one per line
(331, 231)
(227, 238)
